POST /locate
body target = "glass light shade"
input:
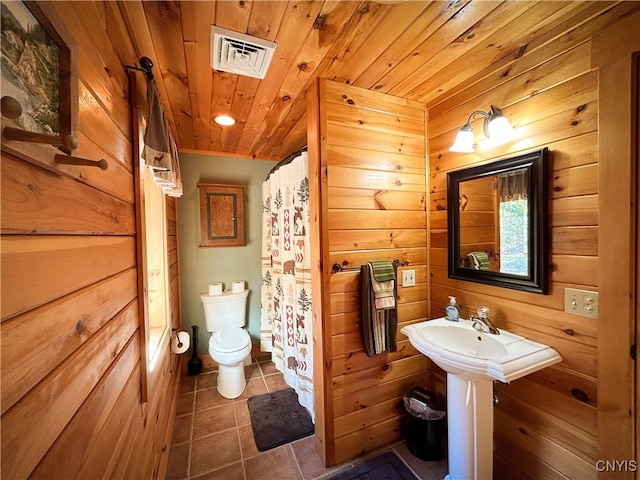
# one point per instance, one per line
(500, 130)
(464, 140)
(497, 128)
(225, 120)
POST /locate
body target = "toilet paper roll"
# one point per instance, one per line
(237, 286)
(180, 342)
(215, 289)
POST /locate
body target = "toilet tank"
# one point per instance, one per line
(224, 311)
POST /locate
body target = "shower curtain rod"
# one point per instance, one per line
(286, 160)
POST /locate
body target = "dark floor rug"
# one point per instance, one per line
(383, 467)
(277, 418)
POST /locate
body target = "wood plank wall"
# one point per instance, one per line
(546, 423)
(71, 361)
(373, 207)
(615, 52)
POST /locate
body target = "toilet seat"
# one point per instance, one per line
(227, 341)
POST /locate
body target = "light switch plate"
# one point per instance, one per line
(581, 302)
(408, 278)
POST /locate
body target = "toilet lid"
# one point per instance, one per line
(230, 340)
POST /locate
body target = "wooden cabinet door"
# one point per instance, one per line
(221, 215)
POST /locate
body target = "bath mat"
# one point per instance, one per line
(383, 467)
(277, 418)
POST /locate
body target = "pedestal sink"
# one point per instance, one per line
(473, 360)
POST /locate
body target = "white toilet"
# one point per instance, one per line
(230, 343)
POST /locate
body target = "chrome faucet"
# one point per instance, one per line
(482, 322)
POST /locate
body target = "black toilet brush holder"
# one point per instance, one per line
(194, 365)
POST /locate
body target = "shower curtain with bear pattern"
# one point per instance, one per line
(286, 276)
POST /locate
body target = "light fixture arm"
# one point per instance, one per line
(477, 114)
(464, 140)
(488, 116)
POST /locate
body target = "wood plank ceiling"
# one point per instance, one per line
(424, 51)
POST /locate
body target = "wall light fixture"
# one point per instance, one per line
(496, 128)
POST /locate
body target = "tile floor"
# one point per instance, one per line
(213, 440)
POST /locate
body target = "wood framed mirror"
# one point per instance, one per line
(497, 222)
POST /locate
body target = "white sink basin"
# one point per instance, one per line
(463, 341)
(461, 350)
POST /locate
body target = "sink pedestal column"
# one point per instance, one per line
(470, 426)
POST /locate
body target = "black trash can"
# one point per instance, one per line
(425, 424)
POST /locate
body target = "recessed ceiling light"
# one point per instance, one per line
(225, 120)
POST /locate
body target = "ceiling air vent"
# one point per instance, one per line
(239, 53)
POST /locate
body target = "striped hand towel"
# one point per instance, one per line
(383, 280)
(379, 326)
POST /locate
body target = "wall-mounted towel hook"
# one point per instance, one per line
(69, 160)
(19, 135)
(10, 107)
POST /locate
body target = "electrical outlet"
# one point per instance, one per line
(581, 302)
(408, 278)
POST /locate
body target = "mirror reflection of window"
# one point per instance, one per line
(514, 236)
(513, 188)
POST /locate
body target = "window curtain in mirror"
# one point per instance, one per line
(160, 151)
(513, 185)
(286, 277)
